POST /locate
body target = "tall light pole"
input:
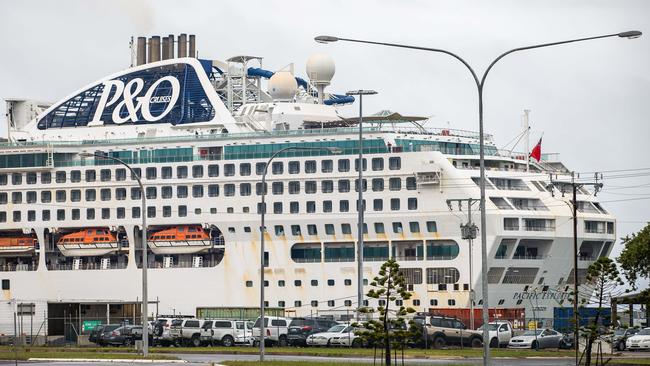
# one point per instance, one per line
(480, 84)
(143, 212)
(360, 206)
(332, 150)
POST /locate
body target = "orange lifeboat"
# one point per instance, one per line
(186, 239)
(17, 245)
(88, 242)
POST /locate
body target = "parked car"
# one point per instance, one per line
(94, 333)
(301, 328)
(123, 336)
(227, 332)
(537, 339)
(641, 340)
(161, 333)
(620, 336)
(325, 338)
(105, 331)
(186, 332)
(499, 333)
(567, 341)
(442, 330)
(349, 338)
(276, 329)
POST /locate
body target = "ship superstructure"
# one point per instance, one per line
(199, 133)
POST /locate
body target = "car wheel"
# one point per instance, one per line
(195, 341)
(283, 341)
(127, 342)
(356, 343)
(534, 345)
(227, 341)
(476, 342)
(494, 343)
(620, 346)
(439, 342)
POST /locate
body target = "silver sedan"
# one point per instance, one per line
(536, 339)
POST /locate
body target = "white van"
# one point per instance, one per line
(227, 332)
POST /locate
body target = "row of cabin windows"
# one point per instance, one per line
(348, 303)
(91, 213)
(343, 206)
(198, 171)
(346, 229)
(213, 190)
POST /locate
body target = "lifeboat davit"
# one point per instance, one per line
(17, 246)
(187, 239)
(88, 242)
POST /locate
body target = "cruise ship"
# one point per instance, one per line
(199, 133)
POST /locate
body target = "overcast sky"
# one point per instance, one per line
(590, 100)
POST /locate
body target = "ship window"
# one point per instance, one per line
(151, 173)
(151, 193)
(181, 172)
(314, 303)
(311, 229)
(197, 191)
(229, 190)
(60, 215)
(165, 172)
(310, 166)
(45, 215)
(378, 184)
(297, 283)
(46, 196)
(397, 228)
(327, 186)
(60, 177)
(356, 185)
(75, 176)
(344, 186)
(297, 303)
(279, 230)
(277, 187)
(277, 207)
(314, 282)
(90, 176)
(135, 212)
(3, 216)
(249, 283)
(106, 214)
(310, 186)
(295, 230)
(182, 211)
(46, 178)
(120, 212)
(60, 196)
(16, 197)
(364, 162)
(91, 195)
(197, 171)
(281, 304)
(151, 211)
(165, 192)
(120, 174)
(311, 206)
(294, 207)
(344, 206)
(137, 172)
(105, 175)
(432, 227)
(31, 197)
(213, 170)
(377, 164)
(294, 167)
(259, 168)
(378, 204)
(411, 183)
(3, 198)
(395, 163)
(258, 188)
(329, 229)
(105, 194)
(330, 282)
(327, 166)
(167, 211)
(3, 179)
(31, 216)
(379, 228)
(344, 165)
(181, 192)
(346, 229)
(327, 206)
(294, 187)
(395, 204)
(414, 226)
(277, 167)
(413, 204)
(31, 178)
(213, 190)
(245, 169)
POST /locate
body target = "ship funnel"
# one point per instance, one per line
(154, 49)
(165, 48)
(192, 51)
(182, 45)
(141, 52)
(171, 46)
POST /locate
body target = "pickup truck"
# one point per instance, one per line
(441, 331)
(499, 332)
(186, 332)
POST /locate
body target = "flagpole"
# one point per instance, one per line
(527, 140)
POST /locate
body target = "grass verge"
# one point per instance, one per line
(299, 363)
(7, 353)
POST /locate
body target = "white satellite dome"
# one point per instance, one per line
(283, 86)
(320, 68)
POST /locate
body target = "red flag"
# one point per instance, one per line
(537, 151)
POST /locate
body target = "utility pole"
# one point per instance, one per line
(468, 231)
(573, 187)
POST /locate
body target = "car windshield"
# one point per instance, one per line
(177, 322)
(298, 322)
(619, 332)
(532, 333)
(336, 328)
(644, 332)
(490, 327)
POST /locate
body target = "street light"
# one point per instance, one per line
(360, 206)
(480, 84)
(143, 212)
(332, 150)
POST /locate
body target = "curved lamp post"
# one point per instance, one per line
(480, 84)
(333, 150)
(143, 212)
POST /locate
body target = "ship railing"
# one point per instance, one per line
(408, 257)
(440, 257)
(586, 258)
(531, 257)
(306, 260)
(340, 259)
(18, 267)
(539, 228)
(85, 266)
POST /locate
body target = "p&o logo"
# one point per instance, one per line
(127, 96)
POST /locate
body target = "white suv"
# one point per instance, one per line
(186, 331)
(227, 332)
(276, 329)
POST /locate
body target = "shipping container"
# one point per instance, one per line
(563, 317)
(516, 316)
(236, 313)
